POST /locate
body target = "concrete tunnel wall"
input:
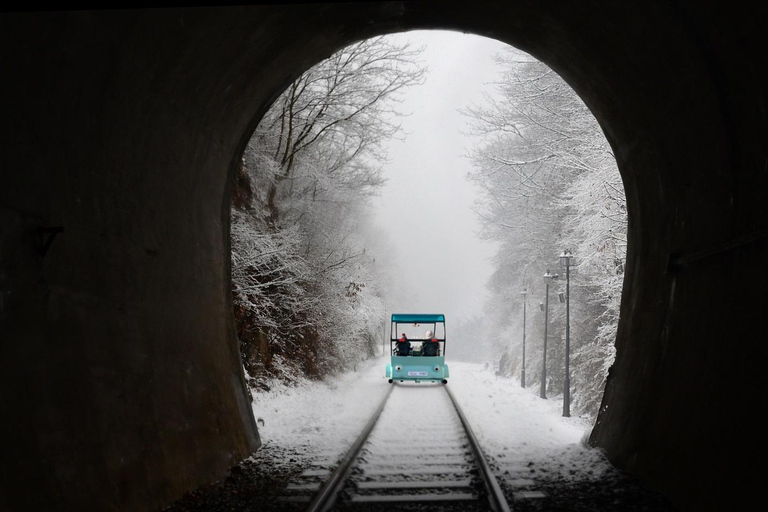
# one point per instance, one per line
(120, 376)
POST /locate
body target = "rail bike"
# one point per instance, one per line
(417, 345)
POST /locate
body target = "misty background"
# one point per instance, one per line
(426, 203)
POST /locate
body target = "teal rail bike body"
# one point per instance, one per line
(418, 369)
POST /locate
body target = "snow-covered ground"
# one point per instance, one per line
(526, 438)
(315, 418)
(537, 455)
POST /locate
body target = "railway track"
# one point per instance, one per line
(417, 452)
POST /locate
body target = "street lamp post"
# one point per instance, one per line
(565, 260)
(547, 278)
(522, 374)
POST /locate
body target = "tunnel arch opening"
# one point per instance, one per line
(271, 161)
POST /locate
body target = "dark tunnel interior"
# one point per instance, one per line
(120, 374)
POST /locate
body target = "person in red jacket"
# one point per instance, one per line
(403, 346)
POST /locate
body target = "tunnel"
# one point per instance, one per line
(120, 376)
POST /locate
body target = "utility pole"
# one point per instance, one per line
(565, 260)
(522, 374)
(547, 277)
(384, 337)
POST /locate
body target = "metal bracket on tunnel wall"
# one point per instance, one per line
(678, 262)
(44, 241)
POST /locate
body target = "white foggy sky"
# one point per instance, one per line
(426, 202)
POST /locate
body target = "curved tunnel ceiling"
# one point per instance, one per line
(120, 373)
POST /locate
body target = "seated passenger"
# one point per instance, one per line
(403, 346)
(431, 347)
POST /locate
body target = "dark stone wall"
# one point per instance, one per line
(119, 373)
(119, 377)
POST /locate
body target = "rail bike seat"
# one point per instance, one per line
(430, 349)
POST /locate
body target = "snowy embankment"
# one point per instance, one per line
(318, 417)
(526, 437)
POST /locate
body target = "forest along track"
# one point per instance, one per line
(417, 452)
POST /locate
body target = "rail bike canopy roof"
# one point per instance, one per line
(406, 318)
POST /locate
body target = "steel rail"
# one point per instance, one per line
(326, 496)
(496, 498)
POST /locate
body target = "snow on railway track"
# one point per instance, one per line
(416, 451)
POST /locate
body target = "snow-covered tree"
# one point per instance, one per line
(550, 182)
(309, 291)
